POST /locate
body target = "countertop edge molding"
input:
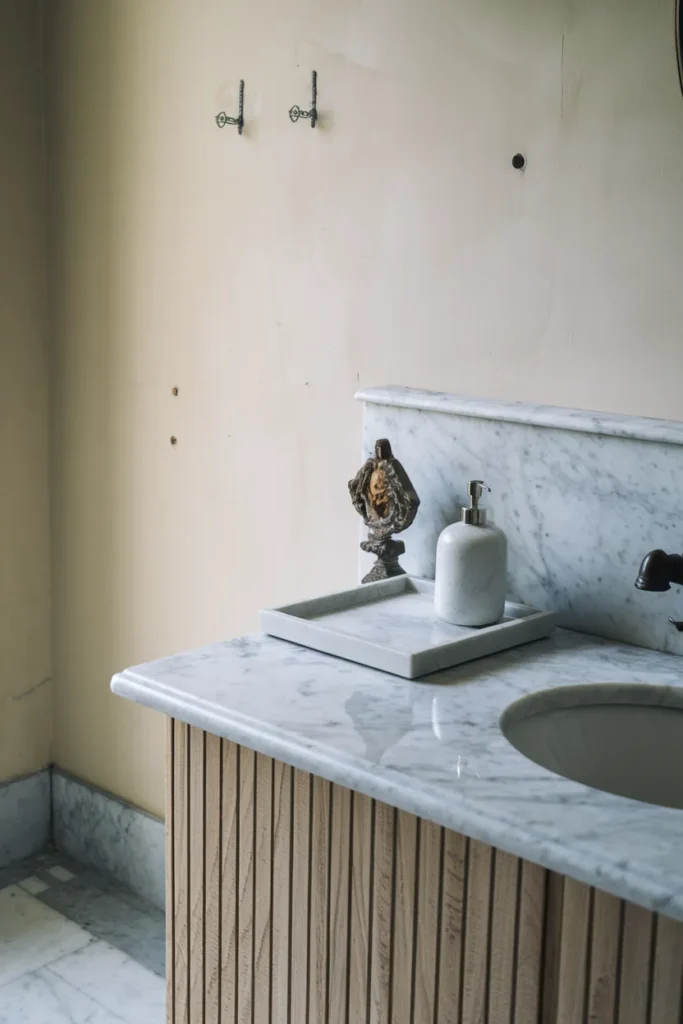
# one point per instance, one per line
(640, 428)
(403, 793)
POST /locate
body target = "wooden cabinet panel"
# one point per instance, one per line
(573, 969)
(429, 868)
(282, 866)
(359, 924)
(212, 880)
(667, 976)
(197, 848)
(604, 957)
(503, 939)
(228, 896)
(531, 896)
(263, 853)
(449, 967)
(319, 906)
(340, 862)
(382, 913)
(171, 881)
(295, 901)
(405, 882)
(180, 908)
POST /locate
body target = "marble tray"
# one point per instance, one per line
(391, 625)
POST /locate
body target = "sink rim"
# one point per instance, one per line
(574, 695)
(572, 750)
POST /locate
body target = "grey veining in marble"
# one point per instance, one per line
(434, 747)
(102, 831)
(581, 497)
(24, 816)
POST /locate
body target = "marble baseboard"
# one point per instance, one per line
(103, 832)
(24, 816)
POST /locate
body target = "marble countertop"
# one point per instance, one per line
(433, 746)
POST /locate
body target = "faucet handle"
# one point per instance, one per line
(678, 625)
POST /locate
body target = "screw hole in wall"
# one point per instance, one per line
(518, 161)
(174, 439)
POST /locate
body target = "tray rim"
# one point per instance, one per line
(284, 621)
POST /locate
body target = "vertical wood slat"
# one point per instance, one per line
(454, 885)
(196, 870)
(405, 881)
(197, 847)
(245, 902)
(229, 859)
(359, 923)
(181, 952)
(552, 944)
(282, 810)
(667, 979)
(602, 977)
(530, 918)
(320, 850)
(426, 932)
(503, 937)
(571, 987)
(475, 962)
(635, 965)
(170, 872)
(298, 966)
(262, 892)
(380, 939)
(212, 877)
(338, 922)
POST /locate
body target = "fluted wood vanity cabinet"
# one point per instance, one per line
(292, 900)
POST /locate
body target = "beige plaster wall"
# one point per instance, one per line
(25, 687)
(268, 277)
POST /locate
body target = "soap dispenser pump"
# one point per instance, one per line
(471, 567)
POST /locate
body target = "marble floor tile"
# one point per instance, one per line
(115, 981)
(32, 934)
(14, 873)
(108, 914)
(33, 885)
(62, 874)
(43, 998)
(84, 875)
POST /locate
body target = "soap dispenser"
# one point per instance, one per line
(471, 567)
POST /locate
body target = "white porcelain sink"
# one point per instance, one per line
(625, 739)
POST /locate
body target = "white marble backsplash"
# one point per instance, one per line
(581, 496)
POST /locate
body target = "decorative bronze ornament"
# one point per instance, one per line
(383, 495)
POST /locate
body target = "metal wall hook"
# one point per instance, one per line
(296, 112)
(222, 119)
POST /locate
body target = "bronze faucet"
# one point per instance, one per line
(658, 571)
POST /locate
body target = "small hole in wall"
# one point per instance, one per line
(518, 161)
(174, 439)
(174, 391)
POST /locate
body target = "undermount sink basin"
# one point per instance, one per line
(625, 739)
